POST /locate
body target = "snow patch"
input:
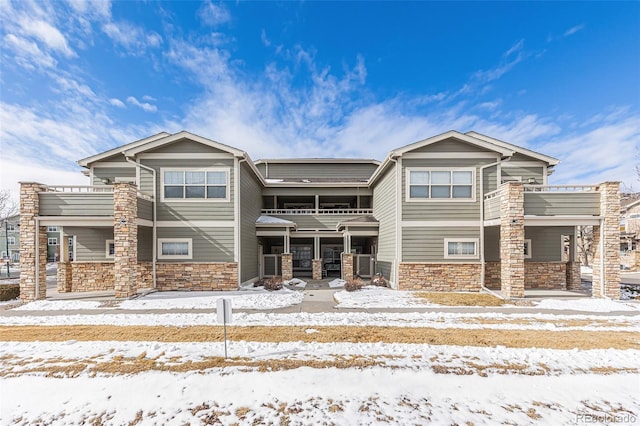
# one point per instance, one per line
(337, 283)
(588, 305)
(379, 297)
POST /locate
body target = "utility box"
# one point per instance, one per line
(223, 309)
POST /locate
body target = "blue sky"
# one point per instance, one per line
(319, 79)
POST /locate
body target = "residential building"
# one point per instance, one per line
(10, 232)
(456, 212)
(630, 231)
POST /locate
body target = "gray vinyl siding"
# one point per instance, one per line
(250, 207)
(193, 210)
(186, 146)
(145, 244)
(562, 203)
(208, 244)
(427, 244)
(490, 177)
(146, 181)
(524, 172)
(310, 191)
(384, 210)
(90, 242)
(78, 204)
(112, 173)
(451, 145)
(318, 170)
(546, 242)
(441, 210)
(145, 209)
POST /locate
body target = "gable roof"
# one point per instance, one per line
(115, 151)
(168, 139)
(504, 150)
(547, 159)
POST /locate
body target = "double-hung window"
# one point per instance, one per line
(11, 241)
(52, 229)
(195, 184)
(440, 184)
(52, 241)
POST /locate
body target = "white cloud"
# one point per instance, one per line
(510, 58)
(27, 53)
(573, 30)
(142, 105)
(263, 37)
(214, 14)
(117, 103)
(131, 37)
(47, 34)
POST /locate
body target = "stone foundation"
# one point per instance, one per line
(347, 266)
(196, 276)
(63, 277)
(492, 275)
(90, 276)
(317, 269)
(440, 276)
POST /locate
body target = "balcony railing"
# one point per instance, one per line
(317, 212)
(77, 189)
(560, 188)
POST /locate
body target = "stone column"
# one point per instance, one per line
(606, 262)
(287, 266)
(32, 251)
(574, 280)
(125, 238)
(64, 276)
(347, 266)
(512, 240)
(317, 269)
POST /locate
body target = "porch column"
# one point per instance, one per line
(125, 238)
(512, 239)
(33, 244)
(347, 266)
(606, 262)
(574, 280)
(287, 266)
(317, 260)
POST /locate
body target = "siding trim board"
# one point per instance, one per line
(420, 155)
(438, 223)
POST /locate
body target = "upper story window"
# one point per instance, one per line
(11, 241)
(195, 184)
(440, 184)
(11, 227)
(52, 229)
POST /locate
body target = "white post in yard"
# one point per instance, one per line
(223, 310)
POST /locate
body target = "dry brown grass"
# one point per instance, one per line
(461, 299)
(432, 336)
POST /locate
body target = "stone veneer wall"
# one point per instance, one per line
(317, 269)
(32, 251)
(91, 276)
(347, 266)
(440, 276)
(287, 266)
(492, 275)
(547, 275)
(610, 211)
(145, 275)
(512, 270)
(574, 278)
(63, 277)
(196, 276)
(125, 238)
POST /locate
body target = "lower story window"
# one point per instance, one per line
(110, 249)
(461, 248)
(174, 248)
(52, 241)
(527, 249)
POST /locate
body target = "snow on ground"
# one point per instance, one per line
(296, 282)
(586, 269)
(58, 305)
(379, 297)
(590, 305)
(408, 384)
(337, 283)
(439, 320)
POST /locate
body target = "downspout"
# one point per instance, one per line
(398, 183)
(602, 274)
(154, 246)
(238, 218)
(37, 257)
(482, 258)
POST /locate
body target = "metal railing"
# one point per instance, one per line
(315, 212)
(80, 189)
(145, 196)
(560, 188)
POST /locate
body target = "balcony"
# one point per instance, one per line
(285, 212)
(95, 201)
(547, 200)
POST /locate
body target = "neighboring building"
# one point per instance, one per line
(10, 234)
(630, 230)
(457, 211)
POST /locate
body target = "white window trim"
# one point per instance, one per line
(52, 229)
(189, 241)
(505, 179)
(11, 227)
(106, 249)
(11, 241)
(527, 253)
(227, 171)
(49, 240)
(460, 240)
(407, 179)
